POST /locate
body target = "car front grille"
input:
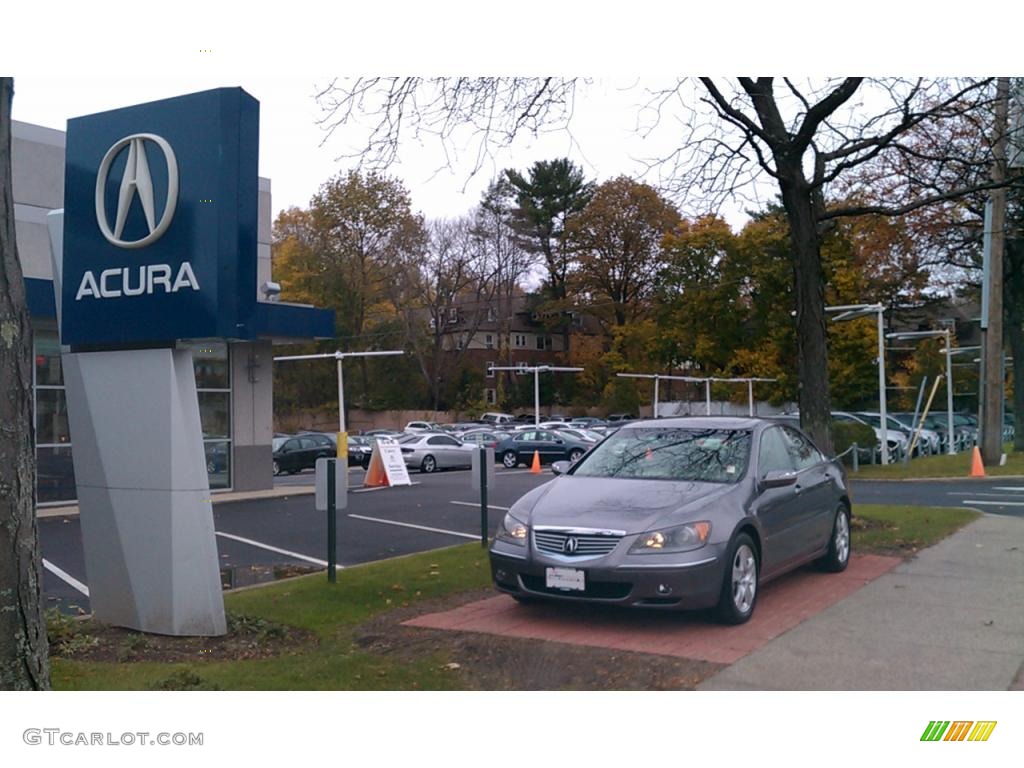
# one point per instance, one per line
(574, 544)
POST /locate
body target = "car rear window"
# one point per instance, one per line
(696, 455)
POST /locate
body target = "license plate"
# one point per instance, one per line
(570, 579)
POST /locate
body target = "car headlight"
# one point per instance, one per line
(681, 538)
(512, 531)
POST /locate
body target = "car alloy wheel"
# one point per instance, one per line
(574, 455)
(510, 460)
(738, 594)
(838, 555)
(744, 579)
(429, 464)
(277, 468)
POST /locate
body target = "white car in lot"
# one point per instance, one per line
(929, 441)
(898, 442)
(431, 451)
(418, 427)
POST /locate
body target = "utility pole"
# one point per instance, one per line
(992, 427)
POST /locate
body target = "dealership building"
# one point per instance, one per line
(234, 378)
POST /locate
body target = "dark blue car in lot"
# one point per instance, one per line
(551, 446)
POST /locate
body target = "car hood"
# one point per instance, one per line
(632, 506)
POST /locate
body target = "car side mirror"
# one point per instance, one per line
(778, 479)
(559, 441)
(560, 467)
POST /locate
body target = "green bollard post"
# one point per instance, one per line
(332, 523)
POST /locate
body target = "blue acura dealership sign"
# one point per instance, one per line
(161, 203)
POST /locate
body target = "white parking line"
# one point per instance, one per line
(1008, 487)
(280, 551)
(66, 577)
(995, 503)
(981, 493)
(417, 527)
(477, 505)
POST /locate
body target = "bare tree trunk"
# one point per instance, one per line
(24, 663)
(812, 343)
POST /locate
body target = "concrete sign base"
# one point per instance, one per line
(146, 516)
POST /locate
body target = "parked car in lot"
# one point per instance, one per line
(898, 442)
(587, 422)
(677, 514)
(621, 417)
(484, 437)
(584, 435)
(360, 449)
(929, 441)
(294, 454)
(548, 444)
(430, 452)
(414, 427)
(497, 419)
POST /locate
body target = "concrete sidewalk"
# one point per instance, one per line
(950, 619)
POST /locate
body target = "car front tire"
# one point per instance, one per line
(739, 582)
(277, 468)
(510, 460)
(574, 455)
(838, 555)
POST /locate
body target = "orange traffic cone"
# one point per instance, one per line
(977, 467)
(535, 469)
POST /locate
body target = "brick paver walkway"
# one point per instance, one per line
(782, 605)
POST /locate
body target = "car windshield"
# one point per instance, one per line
(410, 439)
(277, 443)
(648, 453)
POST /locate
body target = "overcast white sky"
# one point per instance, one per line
(86, 58)
(292, 153)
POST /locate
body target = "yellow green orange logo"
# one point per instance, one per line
(958, 730)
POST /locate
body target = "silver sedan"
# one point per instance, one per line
(430, 452)
(677, 514)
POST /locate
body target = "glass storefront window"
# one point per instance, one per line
(215, 414)
(51, 417)
(211, 364)
(218, 463)
(55, 475)
(48, 370)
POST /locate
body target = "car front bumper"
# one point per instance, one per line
(691, 580)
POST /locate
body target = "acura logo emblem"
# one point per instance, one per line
(137, 180)
(571, 545)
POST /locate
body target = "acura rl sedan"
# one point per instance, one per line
(682, 513)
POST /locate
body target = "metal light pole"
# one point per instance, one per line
(536, 370)
(945, 333)
(340, 356)
(851, 312)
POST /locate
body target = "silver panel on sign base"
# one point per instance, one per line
(143, 492)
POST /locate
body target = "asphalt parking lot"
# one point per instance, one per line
(255, 538)
(259, 540)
